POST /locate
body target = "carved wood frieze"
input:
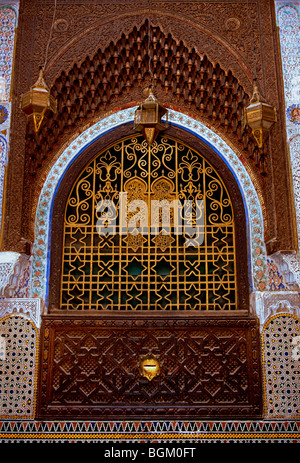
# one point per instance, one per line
(91, 368)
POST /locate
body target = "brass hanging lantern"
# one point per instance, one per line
(37, 101)
(148, 118)
(260, 116)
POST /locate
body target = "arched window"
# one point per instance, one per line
(147, 287)
(149, 228)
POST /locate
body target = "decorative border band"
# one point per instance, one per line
(144, 437)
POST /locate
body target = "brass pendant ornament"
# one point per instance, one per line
(149, 366)
(37, 101)
(148, 118)
(260, 116)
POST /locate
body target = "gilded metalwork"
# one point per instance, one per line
(150, 269)
(37, 101)
(149, 366)
(260, 116)
(148, 118)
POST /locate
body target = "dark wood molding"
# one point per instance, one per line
(90, 369)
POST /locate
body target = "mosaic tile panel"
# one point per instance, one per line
(40, 264)
(18, 367)
(288, 20)
(150, 431)
(8, 21)
(3, 161)
(281, 367)
(295, 162)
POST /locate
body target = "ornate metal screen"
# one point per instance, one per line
(117, 257)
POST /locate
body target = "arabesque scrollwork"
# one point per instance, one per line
(173, 197)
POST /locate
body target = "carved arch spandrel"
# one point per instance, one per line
(169, 22)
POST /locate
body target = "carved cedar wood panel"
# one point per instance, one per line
(209, 368)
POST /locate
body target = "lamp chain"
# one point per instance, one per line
(50, 35)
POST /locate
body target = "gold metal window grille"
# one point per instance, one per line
(145, 271)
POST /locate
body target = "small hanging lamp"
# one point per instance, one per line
(260, 116)
(37, 101)
(148, 118)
